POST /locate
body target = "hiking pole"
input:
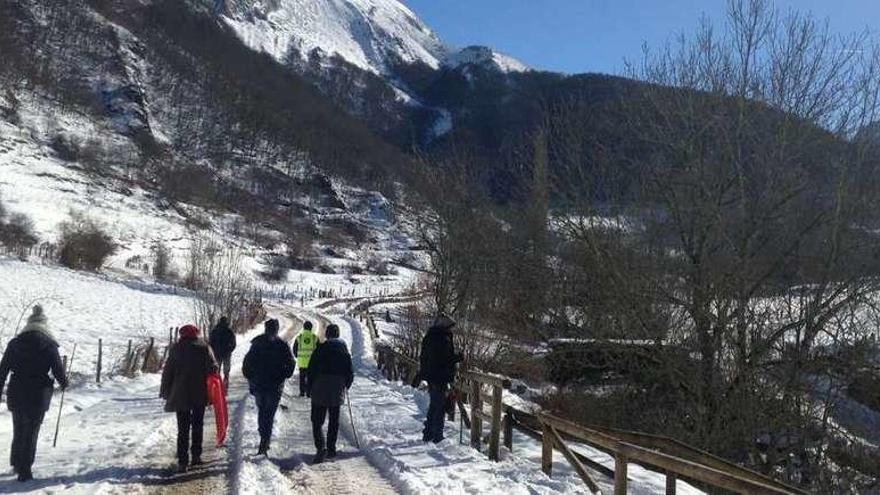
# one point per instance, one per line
(357, 442)
(61, 402)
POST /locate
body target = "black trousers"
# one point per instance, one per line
(436, 418)
(225, 364)
(267, 405)
(25, 431)
(190, 421)
(319, 414)
(304, 385)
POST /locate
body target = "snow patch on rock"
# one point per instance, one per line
(485, 56)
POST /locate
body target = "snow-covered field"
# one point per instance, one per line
(104, 421)
(83, 308)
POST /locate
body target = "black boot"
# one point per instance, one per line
(264, 447)
(25, 475)
(331, 452)
(319, 457)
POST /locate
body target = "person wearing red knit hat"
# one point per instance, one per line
(184, 388)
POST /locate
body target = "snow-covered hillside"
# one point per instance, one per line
(373, 35)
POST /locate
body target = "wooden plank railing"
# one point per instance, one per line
(473, 385)
(624, 452)
(477, 390)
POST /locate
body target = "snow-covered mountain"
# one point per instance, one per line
(370, 34)
(487, 57)
(373, 35)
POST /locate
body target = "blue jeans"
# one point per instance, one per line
(267, 404)
(436, 419)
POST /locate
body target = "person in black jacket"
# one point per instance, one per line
(266, 365)
(222, 342)
(30, 356)
(330, 374)
(437, 367)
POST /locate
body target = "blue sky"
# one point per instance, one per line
(597, 35)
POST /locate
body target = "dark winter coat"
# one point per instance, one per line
(184, 377)
(267, 364)
(438, 357)
(29, 357)
(222, 340)
(331, 373)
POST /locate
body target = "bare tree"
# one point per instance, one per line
(747, 239)
(222, 285)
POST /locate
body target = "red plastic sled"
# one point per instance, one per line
(217, 399)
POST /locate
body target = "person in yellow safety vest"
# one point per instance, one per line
(303, 347)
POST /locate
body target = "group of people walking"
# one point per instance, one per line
(325, 369)
(326, 372)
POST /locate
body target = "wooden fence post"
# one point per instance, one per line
(546, 449)
(100, 356)
(129, 360)
(495, 432)
(620, 473)
(671, 480)
(148, 354)
(508, 430)
(392, 366)
(476, 421)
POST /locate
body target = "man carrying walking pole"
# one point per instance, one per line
(29, 357)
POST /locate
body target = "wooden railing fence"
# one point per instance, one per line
(678, 461)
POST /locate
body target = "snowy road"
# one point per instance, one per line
(116, 439)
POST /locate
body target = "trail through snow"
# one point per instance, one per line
(116, 439)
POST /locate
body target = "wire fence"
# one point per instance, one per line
(130, 354)
(46, 252)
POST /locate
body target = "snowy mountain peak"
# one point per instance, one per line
(373, 35)
(485, 56)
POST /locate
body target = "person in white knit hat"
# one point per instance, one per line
(29, 357)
